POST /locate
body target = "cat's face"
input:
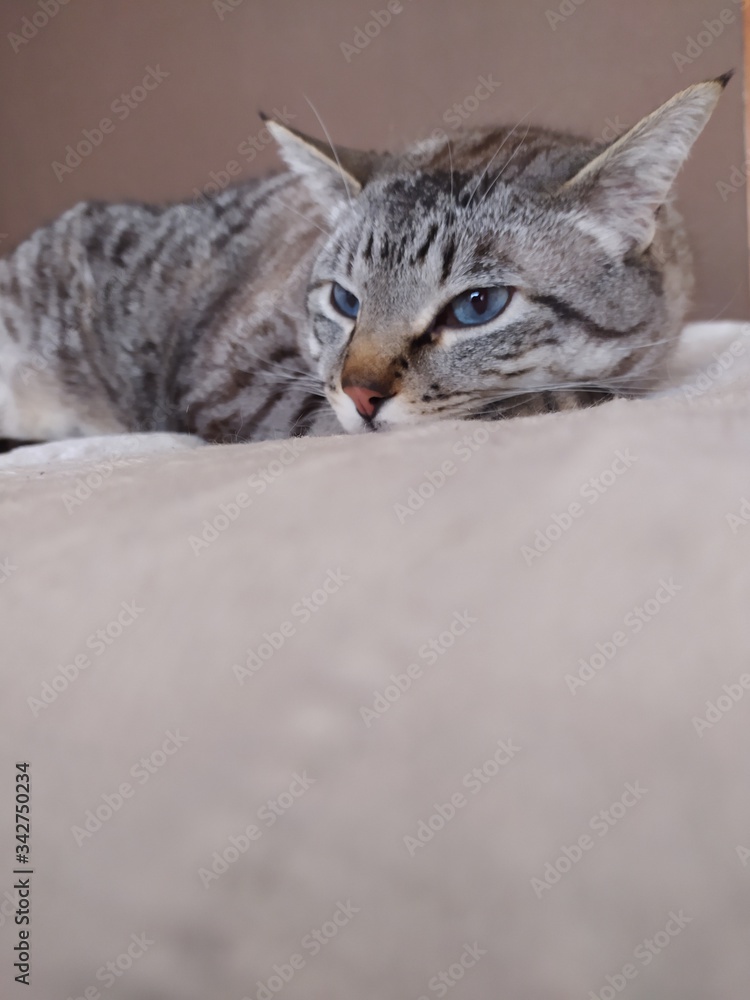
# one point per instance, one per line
(500, 273)
(430, 304)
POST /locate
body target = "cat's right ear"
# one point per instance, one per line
(624, 186)
(328, 170)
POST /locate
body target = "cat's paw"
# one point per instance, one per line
(111, 448)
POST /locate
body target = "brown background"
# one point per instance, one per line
(604, 63)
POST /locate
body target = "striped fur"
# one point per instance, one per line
(214, 317)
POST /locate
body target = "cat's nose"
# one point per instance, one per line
(366, 400)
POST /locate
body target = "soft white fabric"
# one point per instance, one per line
(219, 545)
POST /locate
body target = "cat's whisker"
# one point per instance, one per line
(291, 371)
(484, 399)
(728, 304)
(625, 386)
(508, 163)
(271, 371)
(450, 163)
(334, 151)
(291, 208)
(498, 151)
(281, 371)
(293, 381)
(268, 378)
(299, 420)
(632, 348)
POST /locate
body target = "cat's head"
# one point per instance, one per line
(497, 271)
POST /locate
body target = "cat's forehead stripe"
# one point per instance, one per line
(429, 240)
(449, 253)
(367, 253)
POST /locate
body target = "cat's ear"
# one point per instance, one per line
(626, 183)
(327, 169)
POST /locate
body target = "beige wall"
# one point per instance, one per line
(603, 63)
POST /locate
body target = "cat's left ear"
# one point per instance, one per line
(328, 170)
(626, 183)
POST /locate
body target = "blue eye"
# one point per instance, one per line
(343, 301)
(479, 305)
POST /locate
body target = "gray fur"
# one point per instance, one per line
(214, 317)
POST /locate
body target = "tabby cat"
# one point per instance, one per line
(506, 271)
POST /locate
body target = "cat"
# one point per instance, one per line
(505, 271)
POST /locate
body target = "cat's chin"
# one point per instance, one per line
(393, 415)
(349, 419)
(363, 428)
(396, 413)
(354, 424)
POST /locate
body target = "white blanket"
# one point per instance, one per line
(456, 712)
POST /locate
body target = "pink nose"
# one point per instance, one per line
(366, 400)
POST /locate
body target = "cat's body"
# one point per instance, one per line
(186, 318)
(341, 287)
